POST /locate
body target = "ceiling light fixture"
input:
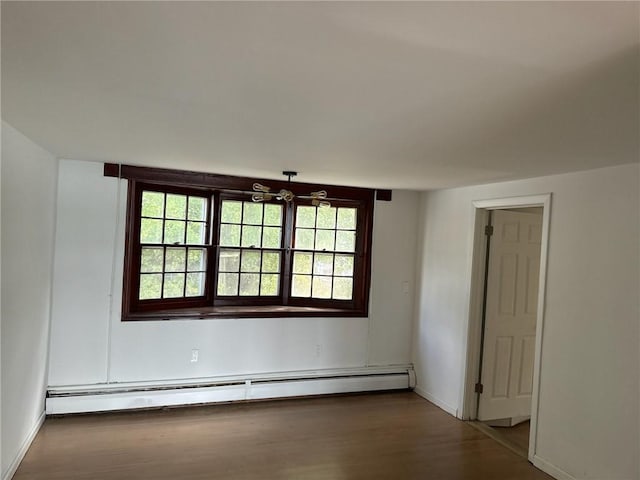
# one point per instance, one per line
(263, 193)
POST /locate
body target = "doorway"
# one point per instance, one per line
(506, 317)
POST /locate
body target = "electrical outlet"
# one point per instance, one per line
(194, 355)
(318, 350)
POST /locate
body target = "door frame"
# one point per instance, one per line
(472, 351)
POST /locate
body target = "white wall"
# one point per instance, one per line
(589, 395)
(90, 345)
(28, 211)
(393, 278)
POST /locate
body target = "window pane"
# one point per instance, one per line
(151, 260)
(321, 287)
(343, 266)
(252, 213)
(175, 260)
(347, 218)
(273, 214)
(342, 288)
(195, 285)
(150, 231)
(231, 211)
(228, 284)
(304, 238)
(150, 286)
(197, 208)
(323, 264)
(174, 231)
(326, 217)
(173, 285)
(271, 237)
(249, 284)
(152, 204)
(269, 284)
(301, 286)
(306, 217)
(195, 260)
(230, 235)
(176, 206)
(325, 239)
(229, 261)
(302, 262)
(251, 236)
(195, 233)
(271, 262)
(346, 241)
(250, 261)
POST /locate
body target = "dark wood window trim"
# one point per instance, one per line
(227, 182)
(210, 305)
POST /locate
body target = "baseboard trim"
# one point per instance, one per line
(228, 379)
(450, 409)
(551, 469)
(24, 448)
(115, 397)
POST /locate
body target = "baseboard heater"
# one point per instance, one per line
(143, 395)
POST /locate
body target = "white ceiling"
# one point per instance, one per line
(389, 94)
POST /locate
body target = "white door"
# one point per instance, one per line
(510, 318)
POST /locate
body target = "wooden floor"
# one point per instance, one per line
(374, 436)
(514, 438)
(517, 435)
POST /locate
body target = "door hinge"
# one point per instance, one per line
(479, 388)
(488, 230)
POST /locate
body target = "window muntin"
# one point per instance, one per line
(324, 252)
(172, 243)
(250, 254)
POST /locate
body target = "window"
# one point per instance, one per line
(324, 252)
(198, 246)
(250, 253)
(173, 230)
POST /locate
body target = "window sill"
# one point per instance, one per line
(262, 311)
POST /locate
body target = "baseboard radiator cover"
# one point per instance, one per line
(145, 395)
